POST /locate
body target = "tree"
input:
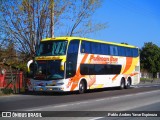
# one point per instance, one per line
(26, 22)
(150, 58)
(8, 53)
(80, 13)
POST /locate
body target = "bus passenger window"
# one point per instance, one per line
(113, 50)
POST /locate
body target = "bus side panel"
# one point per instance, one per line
(130, 68)
(101, 81)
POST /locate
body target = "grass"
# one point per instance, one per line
(142, 79)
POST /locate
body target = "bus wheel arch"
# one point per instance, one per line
(122, 83)
(128, 83)
(82, 86)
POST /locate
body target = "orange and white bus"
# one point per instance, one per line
(78, 64)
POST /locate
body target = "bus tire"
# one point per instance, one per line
(122, 84)
(128, 85)
(82, 87)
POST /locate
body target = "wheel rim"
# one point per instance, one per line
(128, 84)
(81, 87)
(122, 84)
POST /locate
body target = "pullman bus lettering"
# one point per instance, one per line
(103, 59)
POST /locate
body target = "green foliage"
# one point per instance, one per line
(150, 57)
(7, 91)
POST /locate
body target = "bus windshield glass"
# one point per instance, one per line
(52, 48)
(48, 70)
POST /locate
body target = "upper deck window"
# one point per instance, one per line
(52, 48)
(94, 48)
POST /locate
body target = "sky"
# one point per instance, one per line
(131, 21)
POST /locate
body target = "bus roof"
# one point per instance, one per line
(86, 39)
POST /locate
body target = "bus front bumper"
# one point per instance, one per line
(48, 88)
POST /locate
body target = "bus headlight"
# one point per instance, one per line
(62, 65)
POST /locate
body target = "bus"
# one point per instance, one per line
(79, 64)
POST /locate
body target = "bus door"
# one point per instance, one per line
(72, 55)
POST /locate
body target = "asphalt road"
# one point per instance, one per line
(143, 97)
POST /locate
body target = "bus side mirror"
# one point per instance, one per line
(30, 66)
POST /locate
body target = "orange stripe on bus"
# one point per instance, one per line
(128, 64)
(76, 78)
(91, 80)
(114, 78)
(133, 74)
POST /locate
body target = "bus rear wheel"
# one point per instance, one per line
(82, 87)
(128, 83)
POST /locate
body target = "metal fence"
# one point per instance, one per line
(150, 75)
(11, 78)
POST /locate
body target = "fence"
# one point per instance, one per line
(150, 78)
(11, 78)
(146, 75)
(150, 75)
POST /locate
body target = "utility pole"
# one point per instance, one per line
(52, 18)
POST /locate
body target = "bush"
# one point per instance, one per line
(7, 91)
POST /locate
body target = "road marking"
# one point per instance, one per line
(56, 106)
(97, 118)
(100, 99)
(84, 102)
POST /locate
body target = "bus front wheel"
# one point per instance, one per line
(82, 87)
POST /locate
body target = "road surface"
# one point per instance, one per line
(143, 97)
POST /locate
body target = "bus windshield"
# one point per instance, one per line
(48, 70)
(52, 48)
